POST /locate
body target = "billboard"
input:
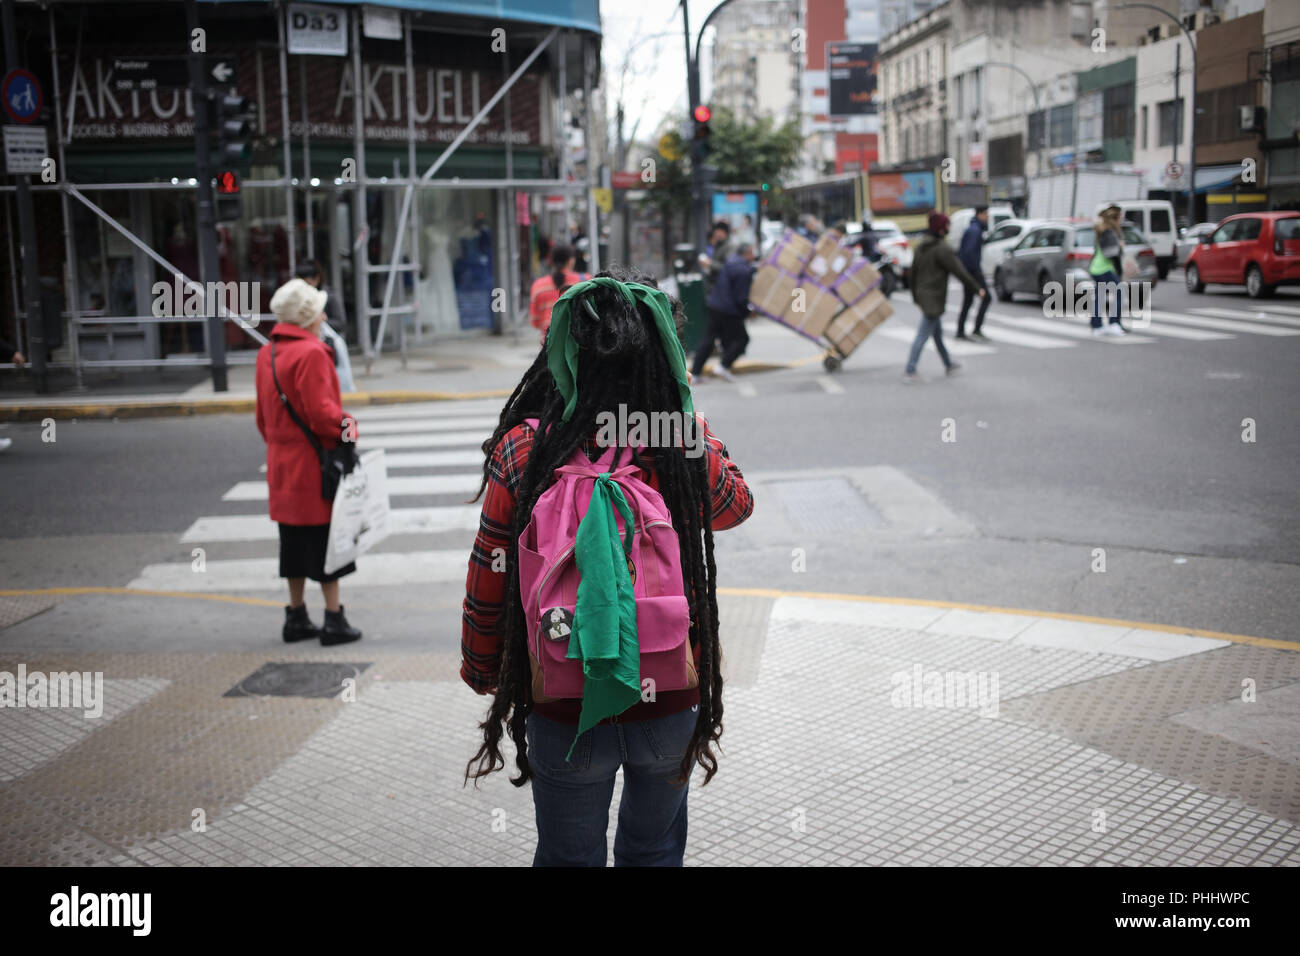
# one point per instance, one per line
(740, 209)
(851, 78)
(901, 192)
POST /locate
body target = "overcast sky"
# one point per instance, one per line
(656, 70)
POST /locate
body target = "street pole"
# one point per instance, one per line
(207, 224)
(1191, 145)
(1042, 133)
(31, 280)
(697, 155)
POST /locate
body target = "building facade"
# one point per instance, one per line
(344, 130)
(755, 64)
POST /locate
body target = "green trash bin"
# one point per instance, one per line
(690, 289)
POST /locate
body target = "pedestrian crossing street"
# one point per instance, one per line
(1006, 325)
(434, 458)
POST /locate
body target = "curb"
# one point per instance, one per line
(173, 408)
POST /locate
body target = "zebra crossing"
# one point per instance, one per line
(434, 458)
(1208, 323)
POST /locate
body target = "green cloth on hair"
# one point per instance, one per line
(604, 619)
(562, 350)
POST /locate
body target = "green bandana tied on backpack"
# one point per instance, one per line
(604, 635)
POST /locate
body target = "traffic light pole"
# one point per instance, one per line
(207, 225)
(699, 201)
(31, 280)
(697, 153)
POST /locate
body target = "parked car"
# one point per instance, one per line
(1260, 250)
(1001, 238)
(1051, 250)
(1189, 240)
(1154, 218)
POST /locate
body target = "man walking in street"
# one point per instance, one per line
(972, 247)
(717, 252)
(933, 263)
(728, 305)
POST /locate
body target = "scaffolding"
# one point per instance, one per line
(408, 219)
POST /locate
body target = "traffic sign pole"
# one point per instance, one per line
(207, 224)
(26, 232)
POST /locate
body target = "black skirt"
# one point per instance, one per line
(302, 553)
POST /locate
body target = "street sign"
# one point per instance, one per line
(1174, 171)
(21, 92)
(670, 147)
(317, 29)
(137, 74)
(25, 148)
(604, 199)
(623, 180)
(851, 74)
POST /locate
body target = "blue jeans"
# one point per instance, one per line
(1105, 283)
(572, 798)
(931, 326)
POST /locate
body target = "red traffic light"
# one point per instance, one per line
(227, 182)
(703, 114)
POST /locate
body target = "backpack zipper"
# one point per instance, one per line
(564, 555)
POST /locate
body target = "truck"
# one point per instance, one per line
(1078, 192)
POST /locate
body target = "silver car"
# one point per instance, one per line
(1051, 251)
(1189, 240)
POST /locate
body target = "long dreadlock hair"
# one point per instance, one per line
(622, 362)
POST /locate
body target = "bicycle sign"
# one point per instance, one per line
(22, 97)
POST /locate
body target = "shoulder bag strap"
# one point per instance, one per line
(284, 400)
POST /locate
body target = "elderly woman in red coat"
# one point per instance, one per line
(304, 368)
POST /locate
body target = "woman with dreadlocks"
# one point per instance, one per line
(615, 341)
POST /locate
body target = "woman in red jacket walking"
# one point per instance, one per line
(304, 370)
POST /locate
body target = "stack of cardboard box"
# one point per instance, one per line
(826, 290)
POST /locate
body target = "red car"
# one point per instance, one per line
(1260, 250)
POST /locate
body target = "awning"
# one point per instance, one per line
(574, 14)
(1212, 177)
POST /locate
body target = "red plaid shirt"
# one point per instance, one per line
(480, 643)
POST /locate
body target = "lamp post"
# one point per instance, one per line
(698, 198)
(1033, 88)
(1191, 153)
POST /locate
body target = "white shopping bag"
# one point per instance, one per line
(360, 517)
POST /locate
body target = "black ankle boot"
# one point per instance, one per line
(337, 630)
(298, 626)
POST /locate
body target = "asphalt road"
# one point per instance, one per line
(1135, 450)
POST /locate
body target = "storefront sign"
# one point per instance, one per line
(25, 148)
(446, 97)
(315, 29)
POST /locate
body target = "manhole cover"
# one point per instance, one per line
(826, 505)
(297, 679)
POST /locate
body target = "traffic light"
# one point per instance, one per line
(702, 115)
(229, 201)
(234, 117)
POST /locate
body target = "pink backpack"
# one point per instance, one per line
(548, 580)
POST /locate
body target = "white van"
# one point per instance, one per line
(1154, 218)
(961, 218)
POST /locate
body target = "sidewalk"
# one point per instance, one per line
(478, 366)
(847, 741)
